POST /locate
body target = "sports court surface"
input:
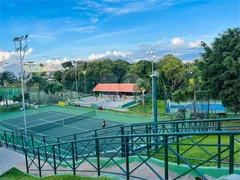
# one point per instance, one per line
(54, 121)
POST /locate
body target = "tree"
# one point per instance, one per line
(52, 88)
(67, 64)
(143, 86)
(57, 75)
(173, 70)
(37, 82)
(7, 78)
(221, 68)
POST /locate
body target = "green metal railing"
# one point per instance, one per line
(174, 140)
(47, 159)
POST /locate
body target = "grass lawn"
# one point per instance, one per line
(14, 174)
(148, 107)
(198, 154)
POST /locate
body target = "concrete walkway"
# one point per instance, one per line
(10, 159)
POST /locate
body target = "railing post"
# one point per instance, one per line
(5, 136)
(122, 142)
(54, 160)
(166, 156)
(26, 159)
(14, 146)
(73, 159)
(76, 152)
(32, 144)
(59, 150)
(231, 154)
(219, 145)
(39, 162)
(98, 156)
(45, 148)
(148, 151)
(178, 149)
(23, 144)
(132, 139)
(127, 157)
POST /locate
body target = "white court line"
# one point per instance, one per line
(38, 119)
(65, 125)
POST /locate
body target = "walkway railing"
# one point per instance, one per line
(123, 156)
(17, 140)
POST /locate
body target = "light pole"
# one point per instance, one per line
(85, 87)
(152, 55)
(21, 52)
(75, 67)
(93, 87)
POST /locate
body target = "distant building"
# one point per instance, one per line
(113, 89)
(31, 67)
(14, 68)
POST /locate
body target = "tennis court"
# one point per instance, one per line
(55, 122)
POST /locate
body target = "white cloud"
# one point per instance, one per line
(55, 65)
(12, 56)
(177, 41)
(94, 19)
(111, 55)
(126, 6)
(195, 44)
(81, 29)
(30, 50)
(112, 34)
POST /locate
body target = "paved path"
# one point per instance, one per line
(9, 159)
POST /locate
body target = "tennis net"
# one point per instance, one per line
(57, 123)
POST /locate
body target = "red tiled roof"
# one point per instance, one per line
(116, 88)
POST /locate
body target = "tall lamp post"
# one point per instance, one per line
(93, 87)
(152, 55)
(85, 86)
(21, 50)
(75, 67)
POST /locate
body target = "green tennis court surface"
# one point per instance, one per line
(54, 121)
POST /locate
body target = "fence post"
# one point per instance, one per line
(32, 144)
(14, 145)
(45, 148)
(231, 154)
(166, 156)
(39, 163)
(23, 144)
(98, 157)
(76, 152)
(127, 157)
(178, 149)
(26, 159)
(132, 139)
(148, 152)
(5, 136)
(59, 150)
(219, 145)
(122, 142)
(54, 160)
(73, 159)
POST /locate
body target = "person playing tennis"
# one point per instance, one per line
(35, 108)
(103, 126)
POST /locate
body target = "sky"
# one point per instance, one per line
(61, 30)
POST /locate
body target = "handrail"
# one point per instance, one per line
(147, 135)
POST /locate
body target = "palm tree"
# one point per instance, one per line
(52, 88)
(7, 78)
(37, 82)
(143, 86)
